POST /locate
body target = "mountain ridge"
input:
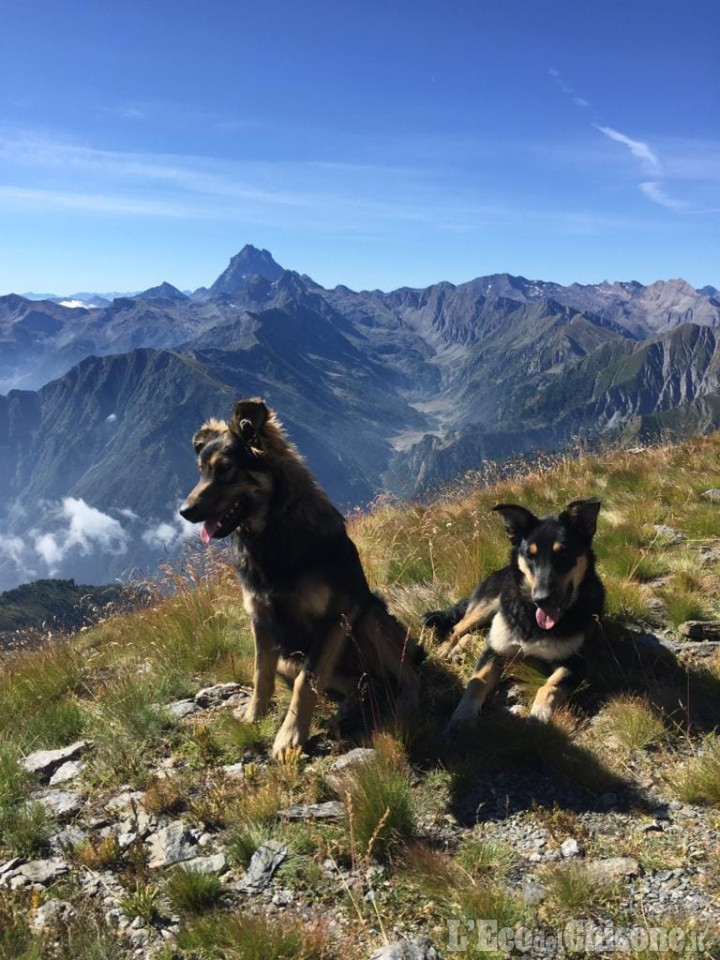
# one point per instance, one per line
(395, 391)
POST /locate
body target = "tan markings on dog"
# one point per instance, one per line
(533, 548)
(526, 572)
(313, 598)
(288, 670)
(575, 576)
(307, 688)
(266, 661)
(476, 692)
(557, 546)
(551, 695)
(477, 615)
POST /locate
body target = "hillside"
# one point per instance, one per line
(53, 605)
(393, 392)
(167, 832)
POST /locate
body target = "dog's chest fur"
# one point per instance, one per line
(508, 641)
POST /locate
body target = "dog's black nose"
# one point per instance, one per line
(189, 512)
(542, 599)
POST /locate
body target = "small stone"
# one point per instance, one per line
(170, 845)
(18, 882)
(662, 530)
(68, 771)
(45, 762)
(263, 865)
(345, 765)
(43, 871)
(50, 914)
(212, 696)
(407, 950)
(713, 495)
(61, 803)
(533, 893)
(234, 771)
(125, 800)
(570, 848)
(10, 865)
(331, 810)
(70, 836)
(614, 868)
(700, 629)
(181, 708)
(213, 864)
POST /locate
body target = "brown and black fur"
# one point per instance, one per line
(552, 568)
(314, 617)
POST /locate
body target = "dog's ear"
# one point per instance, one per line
(519, 521)
(248, 419)
(207, 432)
(582, 516)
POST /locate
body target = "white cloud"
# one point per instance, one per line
(637, 148)
(567, 89)
(82, 528)
(655, 192)
(111, 418)
(162, 535)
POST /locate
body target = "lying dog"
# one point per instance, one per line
(314, 618)
(544, 605)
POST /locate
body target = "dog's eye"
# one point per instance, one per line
(223, 467)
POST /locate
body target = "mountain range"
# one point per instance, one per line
(398, 392)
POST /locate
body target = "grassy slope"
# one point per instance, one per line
(414, 811)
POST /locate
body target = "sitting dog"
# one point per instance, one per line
(544, 606)
(314, 618)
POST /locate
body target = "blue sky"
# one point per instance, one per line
(376, 144)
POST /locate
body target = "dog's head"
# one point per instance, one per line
(235, 483)
(551, 554)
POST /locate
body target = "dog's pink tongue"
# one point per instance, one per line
(546, 619)
(208, 529)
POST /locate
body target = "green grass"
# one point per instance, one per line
(192, 892)
(632, 721)
(242, 936)
(141, 901)
(574, 891)
(380, 802)
(25, 827)
(698, 780)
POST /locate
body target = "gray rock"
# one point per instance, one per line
(51, 914)
(235, 771)
(331, 810)
(45, 762)
(570, 848)
(345, 765)
(212, 696)
(421, 949)
(43, 871)
(700, 629)
(61, 803)
(169, 845)
(212, 864)
(614, 868)
(181, 708)
(263, 865)
(10, 865)
(68, 771)
(70, 836)
(533, 893)
(125, 801)
(713, 494)
(670, 533)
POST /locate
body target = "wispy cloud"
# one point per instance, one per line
(637, 148)
(565, 87)
(655, 192)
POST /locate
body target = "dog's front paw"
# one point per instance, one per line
(289, 739)
(542, 711)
